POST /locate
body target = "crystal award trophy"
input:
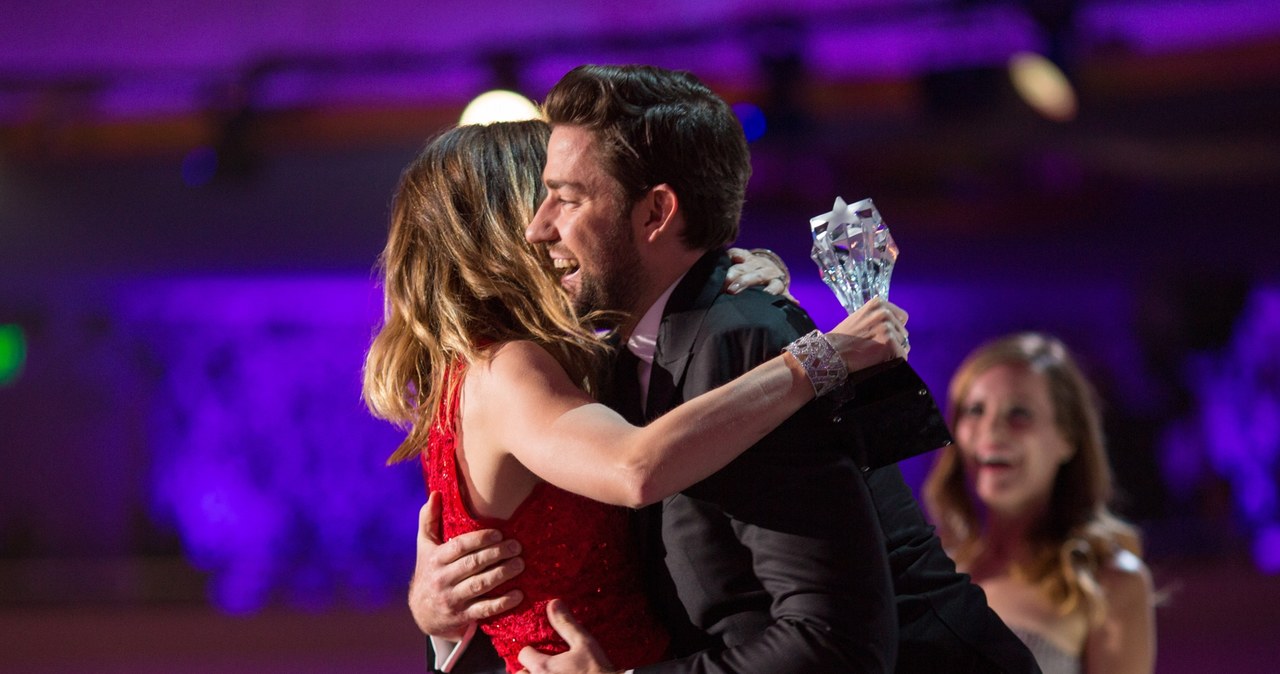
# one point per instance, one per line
(854, 252)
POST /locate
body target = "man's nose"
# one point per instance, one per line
(540, 229)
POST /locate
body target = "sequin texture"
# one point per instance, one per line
(574, 548)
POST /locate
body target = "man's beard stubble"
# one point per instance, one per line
(617, 277)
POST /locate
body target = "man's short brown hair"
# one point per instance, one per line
(660, 126)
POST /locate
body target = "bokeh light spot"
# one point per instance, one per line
(498, 105)
(13, 353)
(752, 119)
(1043, 85)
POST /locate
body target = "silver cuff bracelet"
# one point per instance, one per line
(821, 362)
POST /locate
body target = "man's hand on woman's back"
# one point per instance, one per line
(452, 579)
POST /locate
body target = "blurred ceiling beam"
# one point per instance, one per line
(1111, 81)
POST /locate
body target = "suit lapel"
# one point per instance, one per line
(682, 321)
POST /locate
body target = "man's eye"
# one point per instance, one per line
(974, 410)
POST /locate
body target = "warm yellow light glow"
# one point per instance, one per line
(1043, 86)
(498, 105)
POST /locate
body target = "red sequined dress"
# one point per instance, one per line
(574, 548)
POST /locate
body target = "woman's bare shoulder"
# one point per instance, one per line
(523, 370)
(1125, 575)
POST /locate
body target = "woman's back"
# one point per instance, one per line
(574, 548)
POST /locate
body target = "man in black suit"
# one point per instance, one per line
(777, 563)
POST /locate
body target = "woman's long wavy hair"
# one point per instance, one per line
(459, 277)
(1078, 534)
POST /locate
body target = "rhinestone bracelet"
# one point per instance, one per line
(821, 362)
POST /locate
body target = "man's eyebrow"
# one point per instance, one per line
(562, 184)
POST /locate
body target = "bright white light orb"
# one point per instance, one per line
(1043, 86)
(498, 105)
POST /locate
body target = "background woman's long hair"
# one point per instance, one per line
(1079, 533)
(458, 275)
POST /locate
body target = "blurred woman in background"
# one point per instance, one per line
(1021, 502)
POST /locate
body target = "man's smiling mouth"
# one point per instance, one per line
(565, 265)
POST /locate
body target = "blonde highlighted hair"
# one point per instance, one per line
(458, 276)
(1078, 534)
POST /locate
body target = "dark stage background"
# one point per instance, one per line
(192, 199)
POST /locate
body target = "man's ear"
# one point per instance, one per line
(659, 213)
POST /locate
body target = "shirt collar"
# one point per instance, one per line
(644, 339)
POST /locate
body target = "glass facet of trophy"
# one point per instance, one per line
(854, 252)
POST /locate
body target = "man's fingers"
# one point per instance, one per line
(584, 654)
(429, 519)
(485, 558)
(431, 537)
(451, 579)
(565, 624)
(492, 606)
(475, 586)
(442, 601)
(482, 543)
(536, 661)
(532, 659)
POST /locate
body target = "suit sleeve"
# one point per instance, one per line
(944, 616)
(477, 657)
(887, 417)
(788, 533)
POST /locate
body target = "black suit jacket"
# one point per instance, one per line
(757, 553)
(777, 563)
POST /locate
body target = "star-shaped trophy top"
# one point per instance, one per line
(854, 252)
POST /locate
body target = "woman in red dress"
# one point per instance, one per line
(484, 360)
